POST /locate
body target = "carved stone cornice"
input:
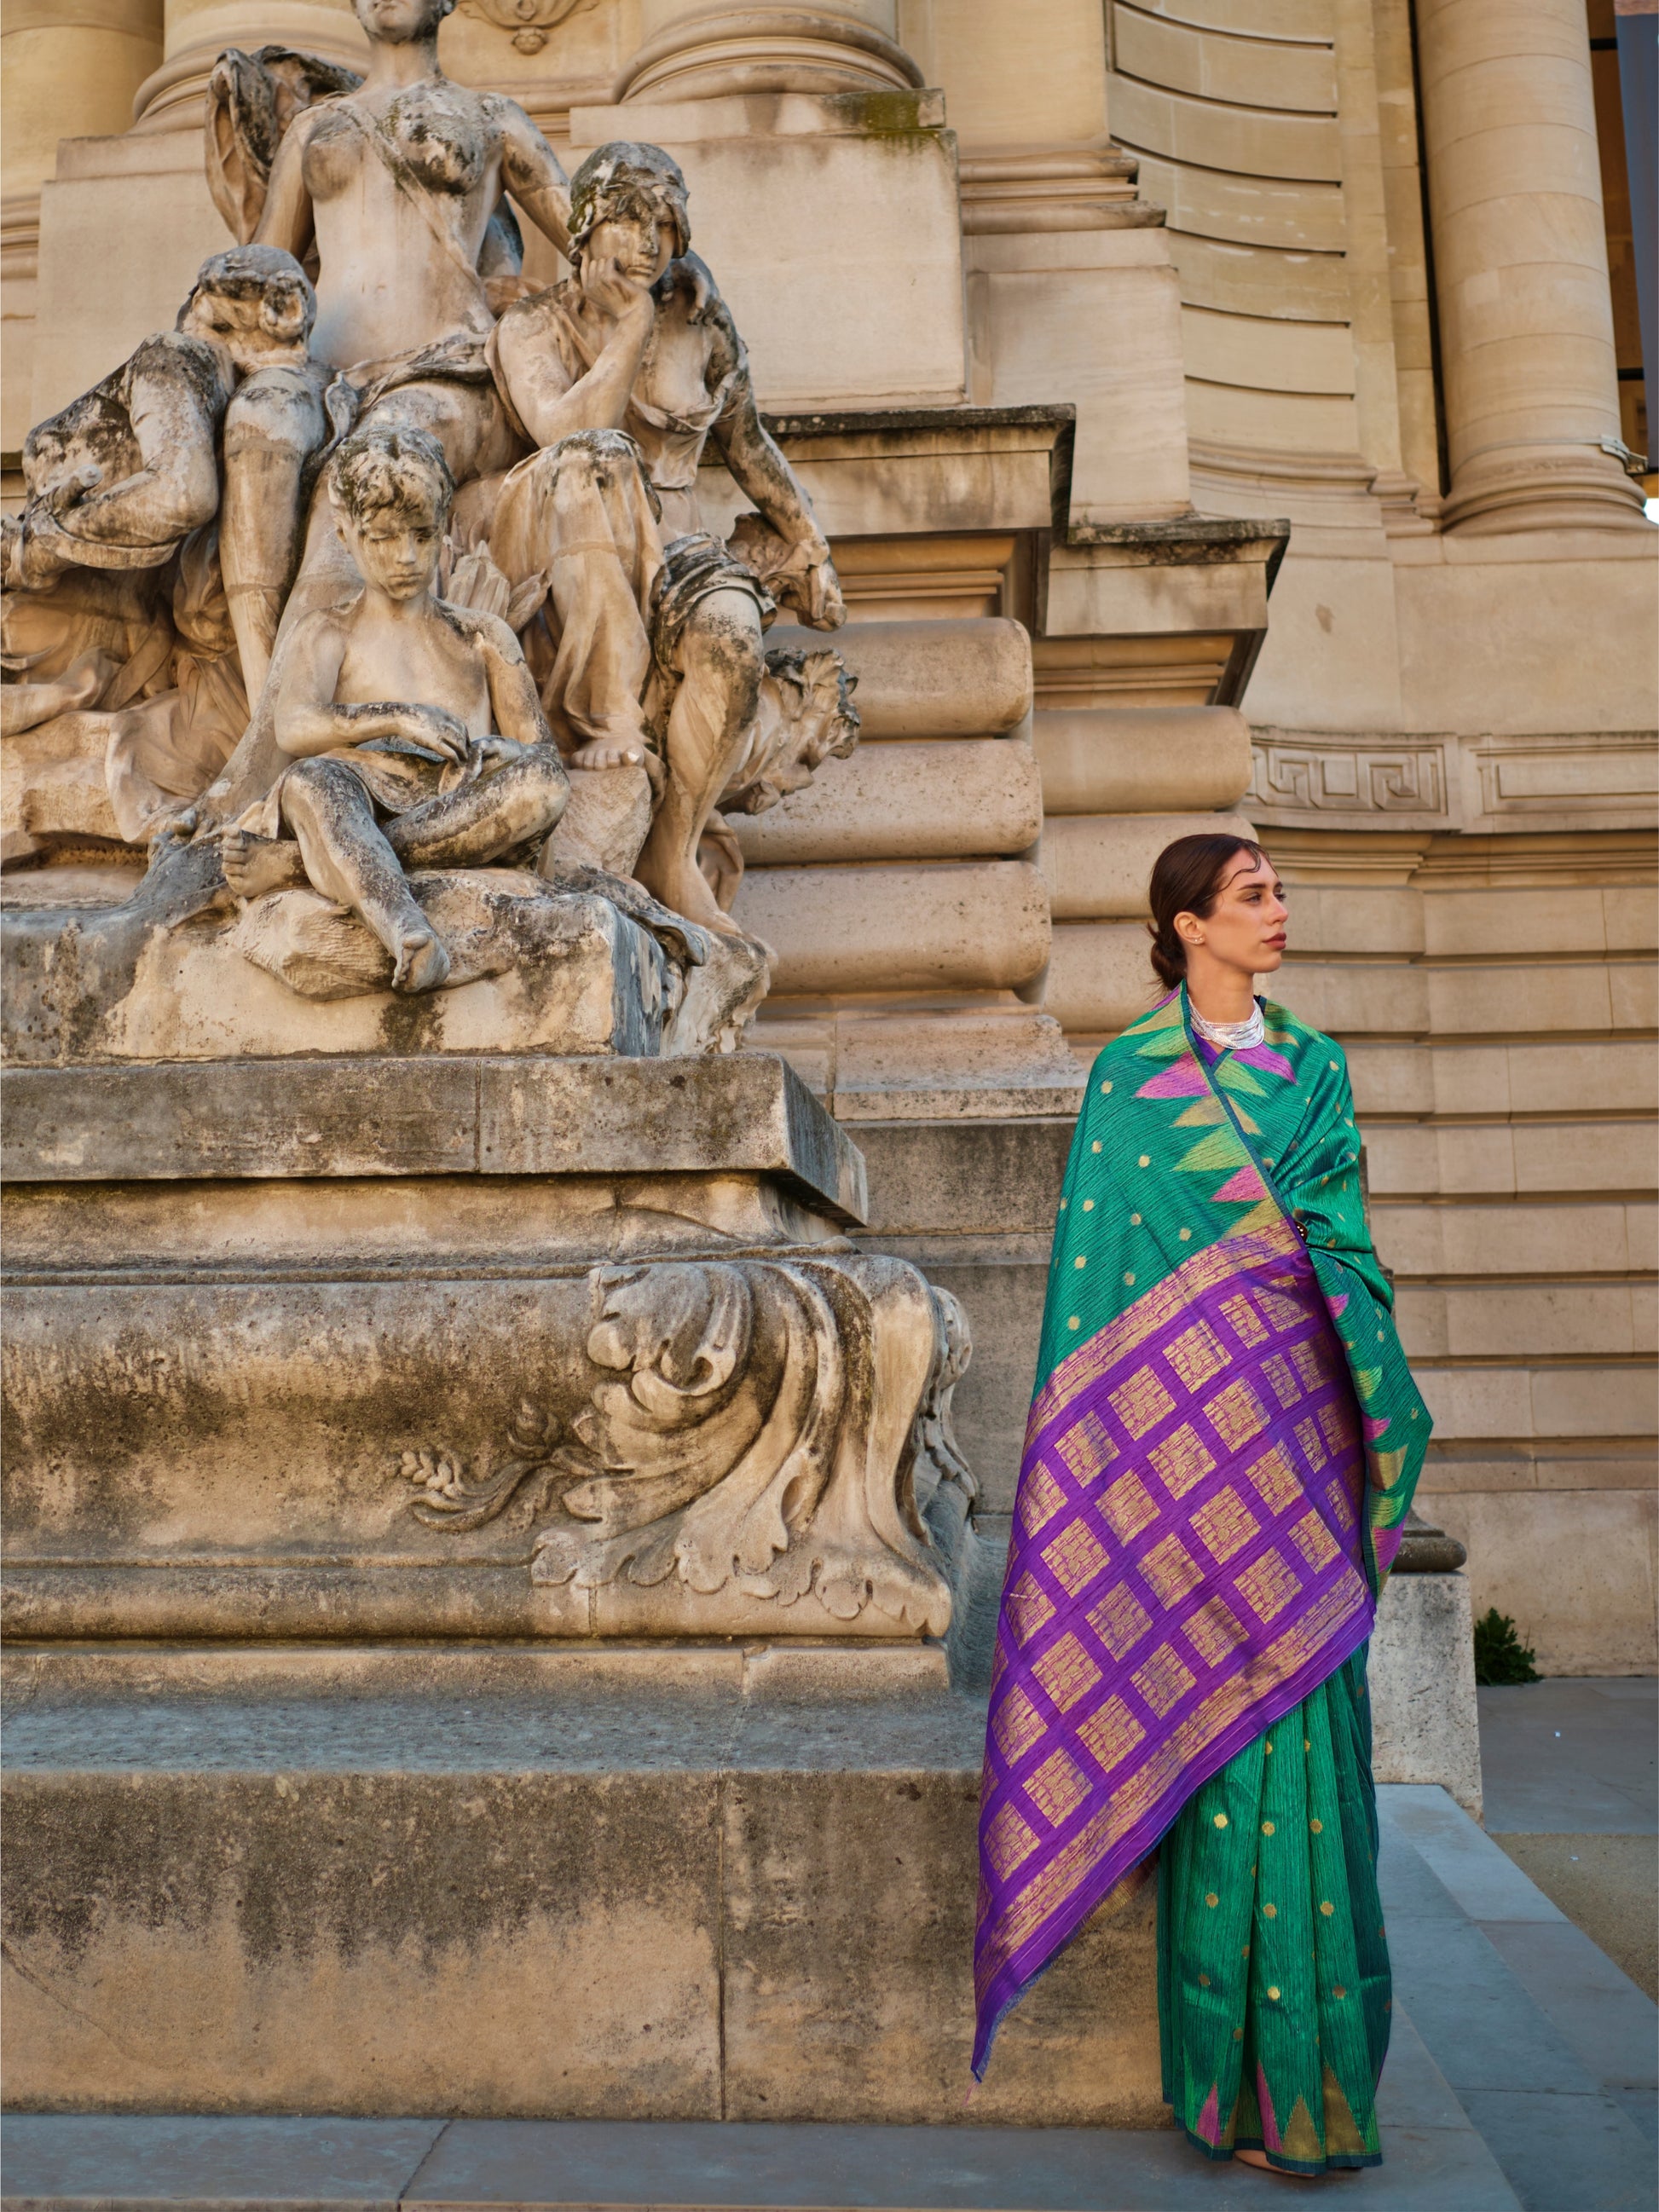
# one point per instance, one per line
(1576, 782)
(1300, 776)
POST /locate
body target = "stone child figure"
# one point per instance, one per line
(622, 374)
(417, 735)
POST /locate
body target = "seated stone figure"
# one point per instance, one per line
(113, 632)
(415, 734)
(651, 641)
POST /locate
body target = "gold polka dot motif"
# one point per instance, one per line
(1327, 1909)
(1105, 1089)
(1339, 1990)
(1145, 1160)
(1185, 1236)
(1271, 1911)
(1212, 1900)
(1268, 1745)
(1088, 1206)
(1095, 1146)
(1221, 1820)
(1079, 1261)
(1238, 2035)
(1204, 1981)
(1076, 1321)
(1135, 1221)
(1266, 1827)
(1318, 1827)
(1129, 1282)
(1273, 1992)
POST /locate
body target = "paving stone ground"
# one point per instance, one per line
(1573, 1795)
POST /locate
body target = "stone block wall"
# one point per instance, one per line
(1496, 999)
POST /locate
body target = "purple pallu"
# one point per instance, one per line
(1187, 1564)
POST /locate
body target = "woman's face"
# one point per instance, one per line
(639, 245)
(398, 23)
(1245, 929)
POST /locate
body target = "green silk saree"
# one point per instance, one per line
(1223, 1444)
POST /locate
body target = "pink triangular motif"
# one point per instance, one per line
(1184, 1079)
(1270, 2136)
(1243, 1189)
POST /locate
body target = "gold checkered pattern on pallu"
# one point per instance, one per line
(1083, 1533)
(1052, 1887)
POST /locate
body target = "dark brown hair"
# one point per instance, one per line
(1186, 879)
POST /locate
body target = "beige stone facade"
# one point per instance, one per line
(1159, 275)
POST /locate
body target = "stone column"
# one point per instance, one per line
(70, 72)
(690, 51)
(1521, 267)
(198, 31)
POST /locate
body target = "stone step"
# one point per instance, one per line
(1520, 2073)
(1436, 2163)
(689, 1907)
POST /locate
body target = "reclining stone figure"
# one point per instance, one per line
(113, 610)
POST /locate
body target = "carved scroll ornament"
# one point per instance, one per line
(778, 1428)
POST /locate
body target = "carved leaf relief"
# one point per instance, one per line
(771, 1427)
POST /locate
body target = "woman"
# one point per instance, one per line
(1223, 1445)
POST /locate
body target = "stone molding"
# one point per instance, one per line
(1586, 780)
(1052, 188)
(1300, 777)
(740, 1113)
(766, 49)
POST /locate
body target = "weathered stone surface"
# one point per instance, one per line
(741, 1114)
(737, 1446)
(1425, 1724)
(968, 678)
(650, 1906)
(122, 985)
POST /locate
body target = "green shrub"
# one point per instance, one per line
(1500, 1657)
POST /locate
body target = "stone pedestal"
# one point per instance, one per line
(699, 1903)
(470, 1347)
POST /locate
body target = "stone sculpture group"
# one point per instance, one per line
(393, 588)
(372, 609)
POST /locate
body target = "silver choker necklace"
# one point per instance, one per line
(1232, 1037)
